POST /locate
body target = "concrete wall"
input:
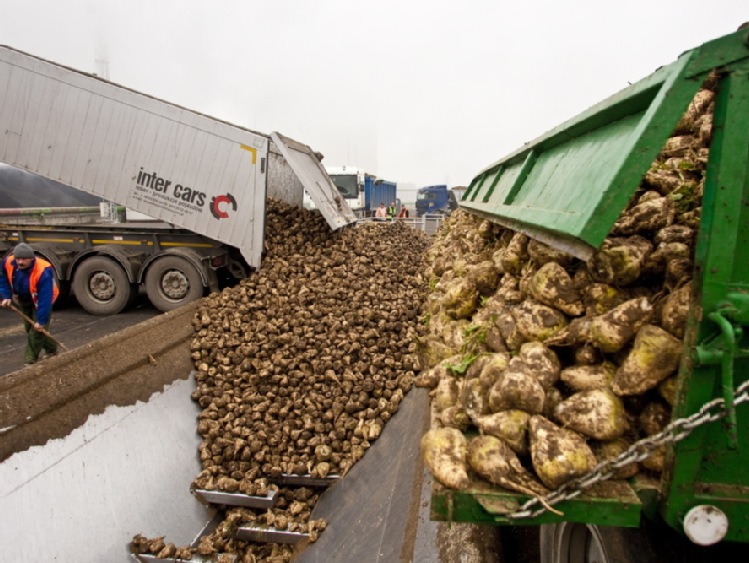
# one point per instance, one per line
(99, 444)
(126, 471)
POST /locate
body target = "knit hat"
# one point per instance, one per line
(23, 250)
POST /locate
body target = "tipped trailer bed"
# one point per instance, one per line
(205, 178)
(567, 189)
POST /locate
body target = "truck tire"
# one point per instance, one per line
(101, 286)
(171, 282)
(571, 542)
(652, 542)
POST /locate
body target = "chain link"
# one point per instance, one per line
(674, 432)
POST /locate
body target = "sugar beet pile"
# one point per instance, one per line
(299, 368)
(541, 365)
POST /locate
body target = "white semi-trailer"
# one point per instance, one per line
(204, 179)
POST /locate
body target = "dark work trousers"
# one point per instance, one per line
(35, 341)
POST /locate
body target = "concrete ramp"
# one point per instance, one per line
(379, 512)
(373, 512)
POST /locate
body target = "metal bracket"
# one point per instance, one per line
(260, 534)
(208, 529)
(724, 350)
(148, 558)
(304, 480)
(237, 499)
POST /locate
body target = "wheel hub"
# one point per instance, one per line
(102, 286)
(175, 284)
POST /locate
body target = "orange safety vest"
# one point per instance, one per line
(36, 272)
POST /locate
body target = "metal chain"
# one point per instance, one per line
(674, 432)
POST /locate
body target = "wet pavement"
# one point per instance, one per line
(71, 325)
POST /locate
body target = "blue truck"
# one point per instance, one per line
(438, 199)
(363, 191)
(378, 191)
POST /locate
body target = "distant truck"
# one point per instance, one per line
(438, 199)
(204, 180)
(363, 191)
(350, 183)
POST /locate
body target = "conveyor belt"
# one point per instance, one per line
(372, 513)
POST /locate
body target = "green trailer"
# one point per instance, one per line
(567, 189)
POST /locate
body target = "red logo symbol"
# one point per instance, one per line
(218, 205)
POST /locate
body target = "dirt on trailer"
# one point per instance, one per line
(49, 399)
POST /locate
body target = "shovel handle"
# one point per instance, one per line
(32, 322)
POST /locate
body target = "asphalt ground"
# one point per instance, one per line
(71, 325)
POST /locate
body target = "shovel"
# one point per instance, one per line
(44, 332)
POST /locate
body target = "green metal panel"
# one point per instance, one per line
(613, 503)
(710, 466)
(569, 186)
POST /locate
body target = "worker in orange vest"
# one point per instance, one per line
(32, 281)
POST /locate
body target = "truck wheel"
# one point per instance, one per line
(172, 281)
(101, 286)
(570, 542)
(652, 542)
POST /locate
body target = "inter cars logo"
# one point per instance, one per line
(219, 205)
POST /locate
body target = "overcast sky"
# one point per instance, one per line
(415, 91)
